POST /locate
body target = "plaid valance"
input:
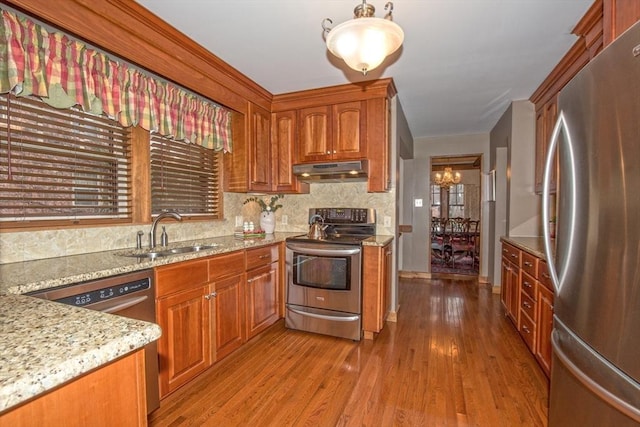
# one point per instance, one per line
(65, 72)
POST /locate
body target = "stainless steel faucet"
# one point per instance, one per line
(152, 233)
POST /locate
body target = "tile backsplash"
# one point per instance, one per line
(30, 245)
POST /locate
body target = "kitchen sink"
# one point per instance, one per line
(153, 254)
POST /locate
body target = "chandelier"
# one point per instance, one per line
(365, 41)
(448, 178)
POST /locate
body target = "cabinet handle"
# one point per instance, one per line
(334, 151)
(264, 256)
(514, 256)
(253, 279)
(506, 251)
(328, 151)
(524, 328)
(527, 284)
(528, 264)
(545, 275)
(211, 295)
(526, 304)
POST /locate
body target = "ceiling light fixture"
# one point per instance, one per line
(365, 41)
(447, 179)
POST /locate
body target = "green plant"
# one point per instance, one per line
(271, 205)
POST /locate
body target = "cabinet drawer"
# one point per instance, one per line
(529, 264)
(527, 330)
(543, 275)
(527, 305)
(529, 285)
(511, 253)
(181, 276)
(226, 265)
(261, 256)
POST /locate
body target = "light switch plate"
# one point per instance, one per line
(238, 220)
(387, 221)
(418, 203)
(285, 220)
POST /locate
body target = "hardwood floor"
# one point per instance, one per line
(452, 359)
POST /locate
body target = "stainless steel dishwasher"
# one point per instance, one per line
(130, 295)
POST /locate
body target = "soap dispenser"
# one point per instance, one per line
(164, 239)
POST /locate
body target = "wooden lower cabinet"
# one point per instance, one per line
(229, 315)
(510, 285)
(117, 395)
(531, 309)
(376, 287)
(262, 299)
(545, 326)
(208, 308)
(185, 346)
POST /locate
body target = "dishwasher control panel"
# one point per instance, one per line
(90, 297)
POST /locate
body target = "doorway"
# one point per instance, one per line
(455, 197)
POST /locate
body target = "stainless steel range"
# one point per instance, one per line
(324, 275)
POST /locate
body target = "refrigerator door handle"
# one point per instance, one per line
(561, 125)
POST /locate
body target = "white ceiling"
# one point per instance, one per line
(461, 63)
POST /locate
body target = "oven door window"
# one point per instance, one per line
(324, 272)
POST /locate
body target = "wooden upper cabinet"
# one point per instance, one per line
(546, 117)
(259, 149)
(349, 139)
(619, 15)
(315, 134)
(284, 134)
(332, 132)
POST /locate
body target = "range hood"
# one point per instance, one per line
(354, 170)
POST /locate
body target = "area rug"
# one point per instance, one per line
(463, 266)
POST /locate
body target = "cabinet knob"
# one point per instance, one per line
(328, 151)
(334, 151)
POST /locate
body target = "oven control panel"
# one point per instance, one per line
(345, 215)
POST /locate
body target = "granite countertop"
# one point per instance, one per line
(44, 344)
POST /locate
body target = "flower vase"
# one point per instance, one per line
(268, 221)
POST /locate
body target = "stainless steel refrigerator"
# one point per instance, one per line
(595, 376)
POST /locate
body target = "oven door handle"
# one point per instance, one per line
(325, 317)
(324, 249)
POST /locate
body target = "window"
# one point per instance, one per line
(435, 201)
(456, 201)
(60, 165)
(185, 177)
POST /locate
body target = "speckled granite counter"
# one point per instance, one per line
(533, 245)
(45, 344)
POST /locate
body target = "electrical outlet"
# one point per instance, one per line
(285, 220)
(238, 220)
(387, 221)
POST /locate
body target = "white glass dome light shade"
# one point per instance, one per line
(363, 43)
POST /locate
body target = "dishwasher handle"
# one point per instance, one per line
(129, 302)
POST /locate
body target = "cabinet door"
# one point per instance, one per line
(619, 15)
(544, 326)
(545, 121)
(262, 298)
(284, 130)
(378, 140)
(376, 288)
(504, 285)
(315, 134)
(260, 149)
(185, 346)
(229, 310)
(349, 131)
(514, 294)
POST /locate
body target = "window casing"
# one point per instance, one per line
(185, 178)
(61, 166)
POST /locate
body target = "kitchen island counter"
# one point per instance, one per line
(46, 344)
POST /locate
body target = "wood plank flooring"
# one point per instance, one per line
(452, 359)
